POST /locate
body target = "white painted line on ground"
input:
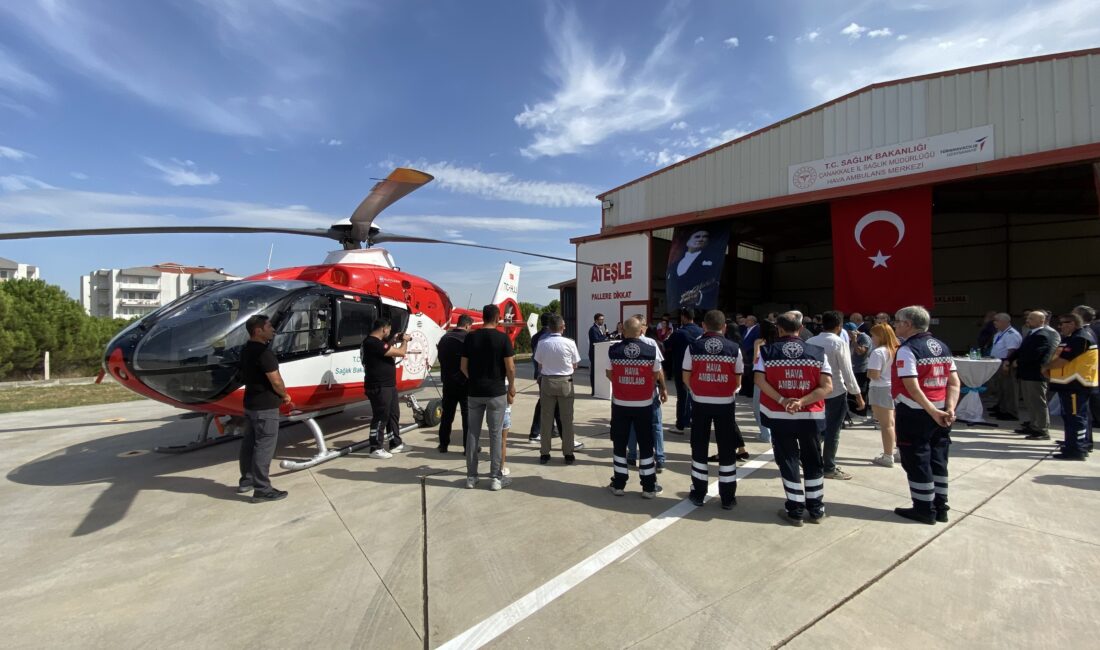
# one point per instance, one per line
(510, 616)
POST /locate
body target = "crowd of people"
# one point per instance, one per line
(808, 376)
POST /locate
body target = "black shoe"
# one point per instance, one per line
(916, 515)
(272, 495)
(792, 520)
(441, 449)
(713, 459)
(660, 466)
(570, 459)
(633, 462)
(244, 489)
(730, 505)
(816, 519)
(1064, 456)
(743, 456)
(1038, 435)
(544, 459)
(697, 500)
(941, 516)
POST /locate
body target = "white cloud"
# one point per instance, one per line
(699, 39)
(770, 38)
(679, 126)
(30, 204)
(808, 37)
(732, 41)
(673, 151)
(880, 33)
(13, 154)
(169, 66)
(18, 183)
(181, 172)
(16, 78)
(332, 142)
(902, 37)
(1009, 33)
(597, 99)
(503, 186)
(80, 176)
(853, 30)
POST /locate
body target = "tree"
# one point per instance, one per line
(553, 308)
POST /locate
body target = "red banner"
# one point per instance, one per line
(882, 251)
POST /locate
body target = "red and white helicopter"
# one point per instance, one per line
(185, 354)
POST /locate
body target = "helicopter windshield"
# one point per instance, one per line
(191, 352)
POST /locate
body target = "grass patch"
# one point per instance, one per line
(13, 400)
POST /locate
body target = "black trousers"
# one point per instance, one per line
(258, 448)
(798, 442)
(719, 416)
(385, 414)
(684, 402)
(641, 419)
(923, 445)
(454, 394)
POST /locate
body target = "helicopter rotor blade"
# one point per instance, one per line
(154, 230)
(384, 237)
(385, 193)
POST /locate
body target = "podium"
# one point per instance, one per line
(601, 384)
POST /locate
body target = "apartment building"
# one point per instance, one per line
(136, 291)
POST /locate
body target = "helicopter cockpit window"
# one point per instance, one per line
(399, 318)
(305, 328)
(355, 320)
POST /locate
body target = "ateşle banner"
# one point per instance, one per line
(695, 263)
(882, 251)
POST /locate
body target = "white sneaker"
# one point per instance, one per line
(471, 482)
(499, 483)
(578, 445)
(616, 491)
(653, 495)
(380, 453)
(883, 460)
(399, 448)
(897, 456)
(505, 471)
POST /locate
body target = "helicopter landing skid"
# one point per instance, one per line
(324, 454)
(224, 433)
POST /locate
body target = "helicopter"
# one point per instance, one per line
(186, 353)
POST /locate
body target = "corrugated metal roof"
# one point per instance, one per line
(1034, 105)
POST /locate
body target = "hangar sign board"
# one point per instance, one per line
(621, 275)
(926, 154)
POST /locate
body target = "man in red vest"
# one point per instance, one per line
(794, 377)
(925, 386)
(635, 371)
(713, 367)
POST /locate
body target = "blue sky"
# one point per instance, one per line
(280, 112)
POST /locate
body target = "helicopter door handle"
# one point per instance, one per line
(327, 352)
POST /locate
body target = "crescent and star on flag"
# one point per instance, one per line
(879, 259)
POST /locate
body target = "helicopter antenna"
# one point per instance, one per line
(270, 252)
(469, 300)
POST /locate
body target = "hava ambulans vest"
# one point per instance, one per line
(1081, 371)
(933, 370)
(793, 368)
(713, 369)
(632, 379)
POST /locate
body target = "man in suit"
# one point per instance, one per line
(752, 332)
(596, 334)
(692, 280)
(675, 347)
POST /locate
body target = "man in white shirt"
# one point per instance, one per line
(1002, 386)
(557, 357)
(839, 355)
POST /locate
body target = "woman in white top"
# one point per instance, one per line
(882, 403)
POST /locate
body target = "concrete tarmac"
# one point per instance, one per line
(108, 545)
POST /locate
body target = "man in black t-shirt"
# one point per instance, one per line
(487, 360)
(380, 384)
(264, 393)
(454, 382)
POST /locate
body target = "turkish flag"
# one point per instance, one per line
(882, 251)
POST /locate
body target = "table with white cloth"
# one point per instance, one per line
(974, 373)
